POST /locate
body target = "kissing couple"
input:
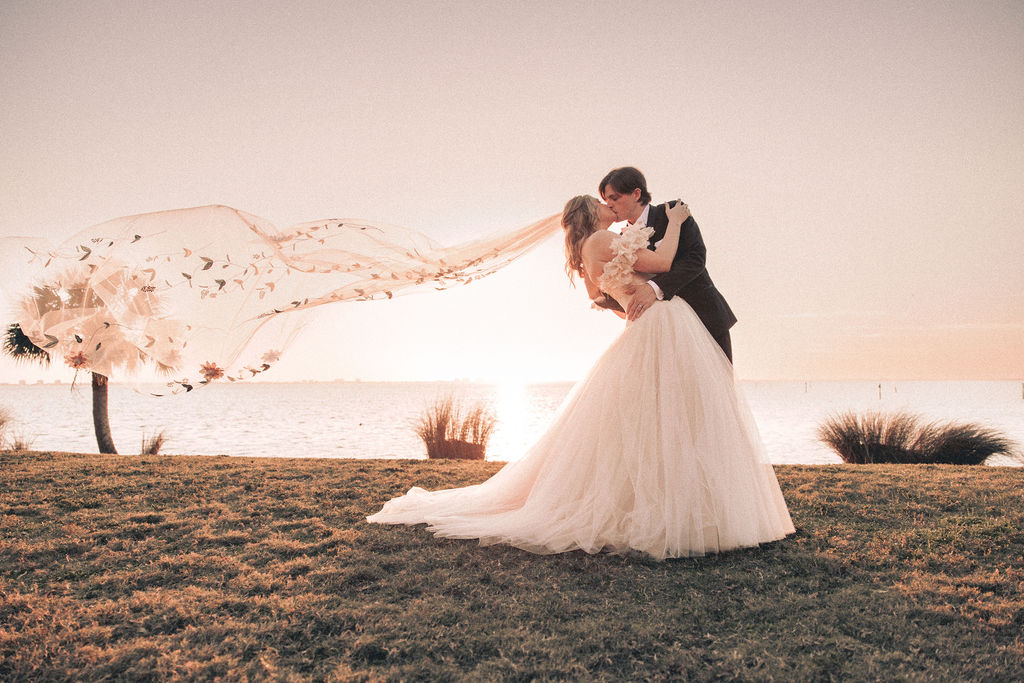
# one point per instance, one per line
(654, 451)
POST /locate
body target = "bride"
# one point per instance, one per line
(654, 451)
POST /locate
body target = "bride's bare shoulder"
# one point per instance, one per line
(598, 244)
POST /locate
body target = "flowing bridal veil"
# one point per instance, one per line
(213, 292)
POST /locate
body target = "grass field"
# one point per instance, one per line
(165, 568)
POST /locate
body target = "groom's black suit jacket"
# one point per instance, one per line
(688, 278)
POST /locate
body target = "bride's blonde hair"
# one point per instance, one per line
(579, 220)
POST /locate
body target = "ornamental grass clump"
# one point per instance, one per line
(450, 431)
(5, 424)
(20, 442)
(904, 438)
(11, 440)
(151, 445)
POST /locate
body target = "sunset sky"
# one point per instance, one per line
(857, 168)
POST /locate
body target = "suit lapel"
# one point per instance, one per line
(659, 221)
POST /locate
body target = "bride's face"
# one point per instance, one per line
(604, 213)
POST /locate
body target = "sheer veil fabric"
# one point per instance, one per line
(214, 293)
(655, 451)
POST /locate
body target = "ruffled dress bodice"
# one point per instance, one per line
(618, 277)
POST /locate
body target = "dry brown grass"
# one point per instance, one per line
(10, 438)
(185, 568)
(5, 424)
(20, 442)
(151, 445)
(452, 431)
(903, 438)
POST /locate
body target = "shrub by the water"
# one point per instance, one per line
(151, 445)
(9, 438)
(904, 438)
(5, 424)
(17, 441)
(450, 431)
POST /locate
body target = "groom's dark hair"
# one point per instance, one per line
(624, 180)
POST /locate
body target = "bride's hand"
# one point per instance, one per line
(678, 211)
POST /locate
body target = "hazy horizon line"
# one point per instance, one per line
(492, 382)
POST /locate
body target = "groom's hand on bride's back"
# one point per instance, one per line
(642, 299)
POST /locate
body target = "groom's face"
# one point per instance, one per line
(627, 207)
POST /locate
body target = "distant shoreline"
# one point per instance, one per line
(553, 382)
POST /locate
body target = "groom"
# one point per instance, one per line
(625, 191)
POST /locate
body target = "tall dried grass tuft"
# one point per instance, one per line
(450, 431)
(20, 442)
(903, 438)
(151, 445)
(9, 439)
(5, 424)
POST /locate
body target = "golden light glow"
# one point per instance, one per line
(857, 191)
(512, 435)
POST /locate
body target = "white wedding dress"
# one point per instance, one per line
(654, 451)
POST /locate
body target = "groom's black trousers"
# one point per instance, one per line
(725, 341)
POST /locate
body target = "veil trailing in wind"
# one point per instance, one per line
(195, 292)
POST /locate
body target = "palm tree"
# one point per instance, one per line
(100, 421)
(17, 345)
(91, 334)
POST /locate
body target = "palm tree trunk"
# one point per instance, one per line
(100, 421)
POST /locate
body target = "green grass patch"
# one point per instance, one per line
(198, 567)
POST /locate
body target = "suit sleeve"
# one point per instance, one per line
(607, 302)
(689, 261)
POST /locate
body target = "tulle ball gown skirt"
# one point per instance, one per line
(654, 452)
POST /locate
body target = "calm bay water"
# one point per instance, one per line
(375, 420)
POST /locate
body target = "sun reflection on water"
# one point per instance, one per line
(511, 435)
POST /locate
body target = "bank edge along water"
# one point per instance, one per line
(376, 419)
